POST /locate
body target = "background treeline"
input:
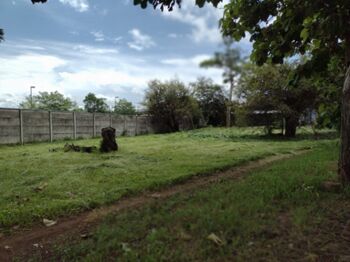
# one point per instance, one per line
(172, 104)
(277, 97)
(56, 101)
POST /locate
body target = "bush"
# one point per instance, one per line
(171, 106)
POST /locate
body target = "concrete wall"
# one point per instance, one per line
(23, 126)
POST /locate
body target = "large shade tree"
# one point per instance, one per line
(283, 28)
(267, 88)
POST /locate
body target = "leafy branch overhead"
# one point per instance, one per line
(169, 4)
(284, 28)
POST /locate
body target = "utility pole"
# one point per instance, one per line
(31, 96)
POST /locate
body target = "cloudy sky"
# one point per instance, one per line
(108, 47)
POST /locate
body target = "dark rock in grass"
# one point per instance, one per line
(108, 143)
(83, 149)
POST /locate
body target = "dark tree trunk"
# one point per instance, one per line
(228, 116)
(291, 126)
(344, 159)
(229, 106)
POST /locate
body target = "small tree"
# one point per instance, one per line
(268, 89)
(170, 104)
(124, 107)
(93, 104)
(54, 101)
(230, 61)
(211, 99)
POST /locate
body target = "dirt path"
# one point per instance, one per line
(25, 242)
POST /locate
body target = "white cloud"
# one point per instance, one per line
(117, 39)
(25, 70)
(173, 35)
(140, 41)
(204, 21)
(75, 70)
(89, 50)
(79, 5)
(98, 35)
(10, 100)
(192, 61)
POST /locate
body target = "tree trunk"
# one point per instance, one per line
(228, 116)
(228, 111)
(344, 159)
(291, 126)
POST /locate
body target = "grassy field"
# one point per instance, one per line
(278, 213)
(38, 183)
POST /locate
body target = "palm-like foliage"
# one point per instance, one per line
(230, 61)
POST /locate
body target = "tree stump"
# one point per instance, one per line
(108, 143)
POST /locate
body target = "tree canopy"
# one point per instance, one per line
(94, 104)
(284, 28)
(211, 99)
(267, 89)
(171, 105)
(53, 101)
(169, 4)
(124, 107)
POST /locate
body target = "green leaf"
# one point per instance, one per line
(304, 34)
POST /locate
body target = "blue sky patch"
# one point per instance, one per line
(107, 47)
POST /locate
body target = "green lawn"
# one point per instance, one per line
(279, 213)
(37, 183)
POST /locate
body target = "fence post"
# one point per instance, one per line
(136, 125)
(93, 125)
(74, 126)
(124, 131)
(50, 126)
(21, 135)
